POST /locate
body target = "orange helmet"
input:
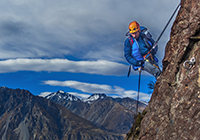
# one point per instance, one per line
(134, 27)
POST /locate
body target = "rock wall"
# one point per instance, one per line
(173, 112)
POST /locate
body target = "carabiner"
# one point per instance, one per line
(190, 63)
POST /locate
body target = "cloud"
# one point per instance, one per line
(84, 87)
(89, 30)
(43, 94)
(79, 95)
(98, 88)
(101, 67)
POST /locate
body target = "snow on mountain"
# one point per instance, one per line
(94, 97)
(60, 95)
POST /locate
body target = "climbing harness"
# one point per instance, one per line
(152, 63)
(188, 64)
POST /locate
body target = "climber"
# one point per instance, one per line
(138, 50)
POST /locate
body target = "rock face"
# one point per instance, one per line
(173, 112)
(24, 116)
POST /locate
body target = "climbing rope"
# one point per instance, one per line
(140, 71)
(136, 115)
(156, 43)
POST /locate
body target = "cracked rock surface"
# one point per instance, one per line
(173, 112)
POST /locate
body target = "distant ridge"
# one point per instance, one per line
(113, 114)
(27, 117)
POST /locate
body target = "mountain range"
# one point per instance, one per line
(24, 116)
(62, 116)
(112, 114)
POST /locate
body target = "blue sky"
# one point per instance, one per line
(76, 46)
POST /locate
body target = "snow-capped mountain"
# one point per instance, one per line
(99, 109)
(61, 95)
(94, 97)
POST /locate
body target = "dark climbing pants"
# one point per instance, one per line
(152, 68)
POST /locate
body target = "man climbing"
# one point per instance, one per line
(139, 51)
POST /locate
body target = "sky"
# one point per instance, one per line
(77, 46)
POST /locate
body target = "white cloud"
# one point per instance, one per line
(43, 94)
(84, 87)
(98, 88)
(79, 95)
(134, 94)
(101, 67)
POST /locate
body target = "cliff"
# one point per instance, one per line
(173, 112)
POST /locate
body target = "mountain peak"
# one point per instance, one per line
(60, 91)
(94, 97)
(61, 95)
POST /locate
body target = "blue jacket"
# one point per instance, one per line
(134, 54)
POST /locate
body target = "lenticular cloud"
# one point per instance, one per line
(101, 67)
